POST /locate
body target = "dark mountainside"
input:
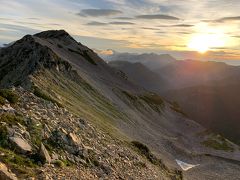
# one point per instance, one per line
(66, 113)
(208, 92)
(141, 75)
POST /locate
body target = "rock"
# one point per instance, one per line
(46, 132)
(5, 173)
(73, 139)
(21, 145)
(44, 154)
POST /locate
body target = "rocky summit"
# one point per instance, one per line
(66, 114)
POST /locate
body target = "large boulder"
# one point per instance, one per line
(5, 173)
(21, 145)
(43, 153)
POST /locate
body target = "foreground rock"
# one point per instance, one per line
(21, 145)
(5, 173)
(45, 157)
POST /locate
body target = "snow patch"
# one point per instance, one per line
(185, 166)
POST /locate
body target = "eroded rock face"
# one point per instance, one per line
(21, 145)
(5, 173)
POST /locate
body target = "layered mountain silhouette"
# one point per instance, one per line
(118, 103)
(206, 91)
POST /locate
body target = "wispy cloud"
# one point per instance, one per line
(157, 16)
(121, 23)
(224, 19)
(99, 12)
(95, 23)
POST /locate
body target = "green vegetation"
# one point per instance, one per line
(130, 96)
(219, 144)
(12, 119)
(88, 58)
(145, 151)
(152, 99)
(3, 136)
(175, 107)
(9, 95)
(39, 93)
(2, 100)
(21, 165)
(35, 130)
(63, 163)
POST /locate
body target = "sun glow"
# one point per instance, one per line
(207, 38)
(204, 42)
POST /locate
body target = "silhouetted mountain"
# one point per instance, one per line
(152, 61)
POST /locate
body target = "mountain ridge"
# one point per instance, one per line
(97, 92)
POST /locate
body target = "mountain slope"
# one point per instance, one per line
(74, 77)
(215, 105)
(152, 61)
(141, 75)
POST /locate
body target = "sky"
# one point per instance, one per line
(186, 29)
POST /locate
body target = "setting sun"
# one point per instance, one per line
(203, 42)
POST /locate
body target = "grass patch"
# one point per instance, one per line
(59, 163)
(88, 58)
(130, 96)
(35, 130)
(9, 95)
(218, 144)
(145, 151)
(3, 136)
(20, 165)
(39, 93)
(2, 100)
(175, 107)
(152, 99)
(12, 119)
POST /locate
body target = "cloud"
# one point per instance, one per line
(149, 28)
(123, 18)
(157, 16)
(95, 23)
(182, 25)
(177, 25)
(99, 12)
(224, 19)
(104, 52)
(121, 23)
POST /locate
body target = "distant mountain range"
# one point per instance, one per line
(208, 92)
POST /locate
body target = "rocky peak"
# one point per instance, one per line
(54, 34)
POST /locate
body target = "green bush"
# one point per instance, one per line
(9, 95)
(59, 163)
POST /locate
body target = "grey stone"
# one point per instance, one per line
(44, 154)
(21, 145)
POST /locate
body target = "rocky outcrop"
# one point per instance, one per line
(5, 173)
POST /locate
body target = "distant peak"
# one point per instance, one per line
(53, 34)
